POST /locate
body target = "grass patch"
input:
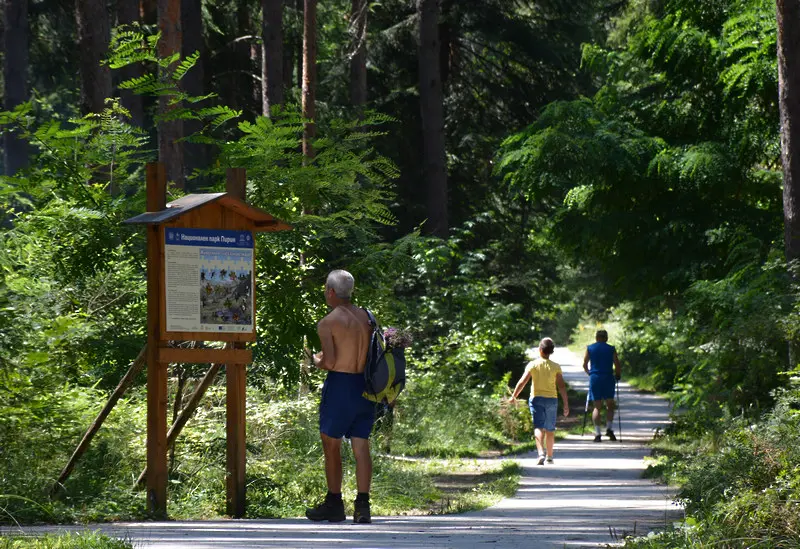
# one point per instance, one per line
(474, 487)
(91, 540)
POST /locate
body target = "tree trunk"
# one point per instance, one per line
(15, 74)
(447, 41)
(148, 11)
(299, 11)
(94, 34)
(170, 149)
(309, 74)
(358, 52)
(195, 155)
(243, 79)
(271, 55)
(788, 12)
(127, 13)
(432, 110)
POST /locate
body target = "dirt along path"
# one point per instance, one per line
(591, 496)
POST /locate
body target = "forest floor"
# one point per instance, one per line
(593, 495)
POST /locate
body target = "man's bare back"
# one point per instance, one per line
(344, 334)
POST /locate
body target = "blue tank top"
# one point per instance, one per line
(601, 358)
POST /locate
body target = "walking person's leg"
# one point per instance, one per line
(551, 411)
(610, 419)
(550, 442)
(538, 418)
(596, 419)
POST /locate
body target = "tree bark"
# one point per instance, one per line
(127, 13)
(309, 74)
(15, 74)
(358, 52)
(195, 155)
(170, 149)
(788, 15)
(94, 34)
(271, 55)
(245, 70)
(432, 111)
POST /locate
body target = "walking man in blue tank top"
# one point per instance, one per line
(602, 376)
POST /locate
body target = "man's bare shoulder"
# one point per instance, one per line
(344, 316)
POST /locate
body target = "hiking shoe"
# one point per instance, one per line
(362, 515)
(332, 511)
(597, 438)
(610, 435)
(541, 461)
(550, 461)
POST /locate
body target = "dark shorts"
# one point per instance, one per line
(543, 412)
(343, 412)
(601, 387)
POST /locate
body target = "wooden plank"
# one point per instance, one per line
(201, 356)
(208, 336)
(187, 412)
(156, 371)
(124, 384)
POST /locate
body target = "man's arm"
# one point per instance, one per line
(617, 367)
(326, 358)
(562, 388)
(586, 362)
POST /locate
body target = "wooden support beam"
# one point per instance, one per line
(205, 356)
(124, 384)
(187, 412)
(236, 376)
(156, 371)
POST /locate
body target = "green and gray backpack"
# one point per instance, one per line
(385, 370)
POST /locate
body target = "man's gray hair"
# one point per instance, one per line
(342, 283)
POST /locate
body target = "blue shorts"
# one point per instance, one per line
(601, 387)
(343, 412)
(543, 412)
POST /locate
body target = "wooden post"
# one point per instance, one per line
(236, 375)
(156, 371)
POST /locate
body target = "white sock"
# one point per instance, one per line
(610, 425)
(597, 429)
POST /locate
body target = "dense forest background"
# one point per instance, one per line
(491, 171)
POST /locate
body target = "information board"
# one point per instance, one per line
(209, 280)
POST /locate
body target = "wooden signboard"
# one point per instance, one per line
(200, 287)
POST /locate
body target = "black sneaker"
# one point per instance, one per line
(550, 461)
(332, 511)
(361, 514)
(597, 438)
(610, 435)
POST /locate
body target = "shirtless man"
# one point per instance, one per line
(344, 334)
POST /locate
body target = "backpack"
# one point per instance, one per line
(385, 370)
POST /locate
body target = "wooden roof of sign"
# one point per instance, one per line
(262, 221)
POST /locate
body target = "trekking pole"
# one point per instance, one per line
(619, 415)
(585, 411)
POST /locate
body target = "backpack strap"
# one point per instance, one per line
(372, 322)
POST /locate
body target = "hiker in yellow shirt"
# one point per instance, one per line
(546, 377)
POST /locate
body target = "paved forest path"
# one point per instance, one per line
(593, 494)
